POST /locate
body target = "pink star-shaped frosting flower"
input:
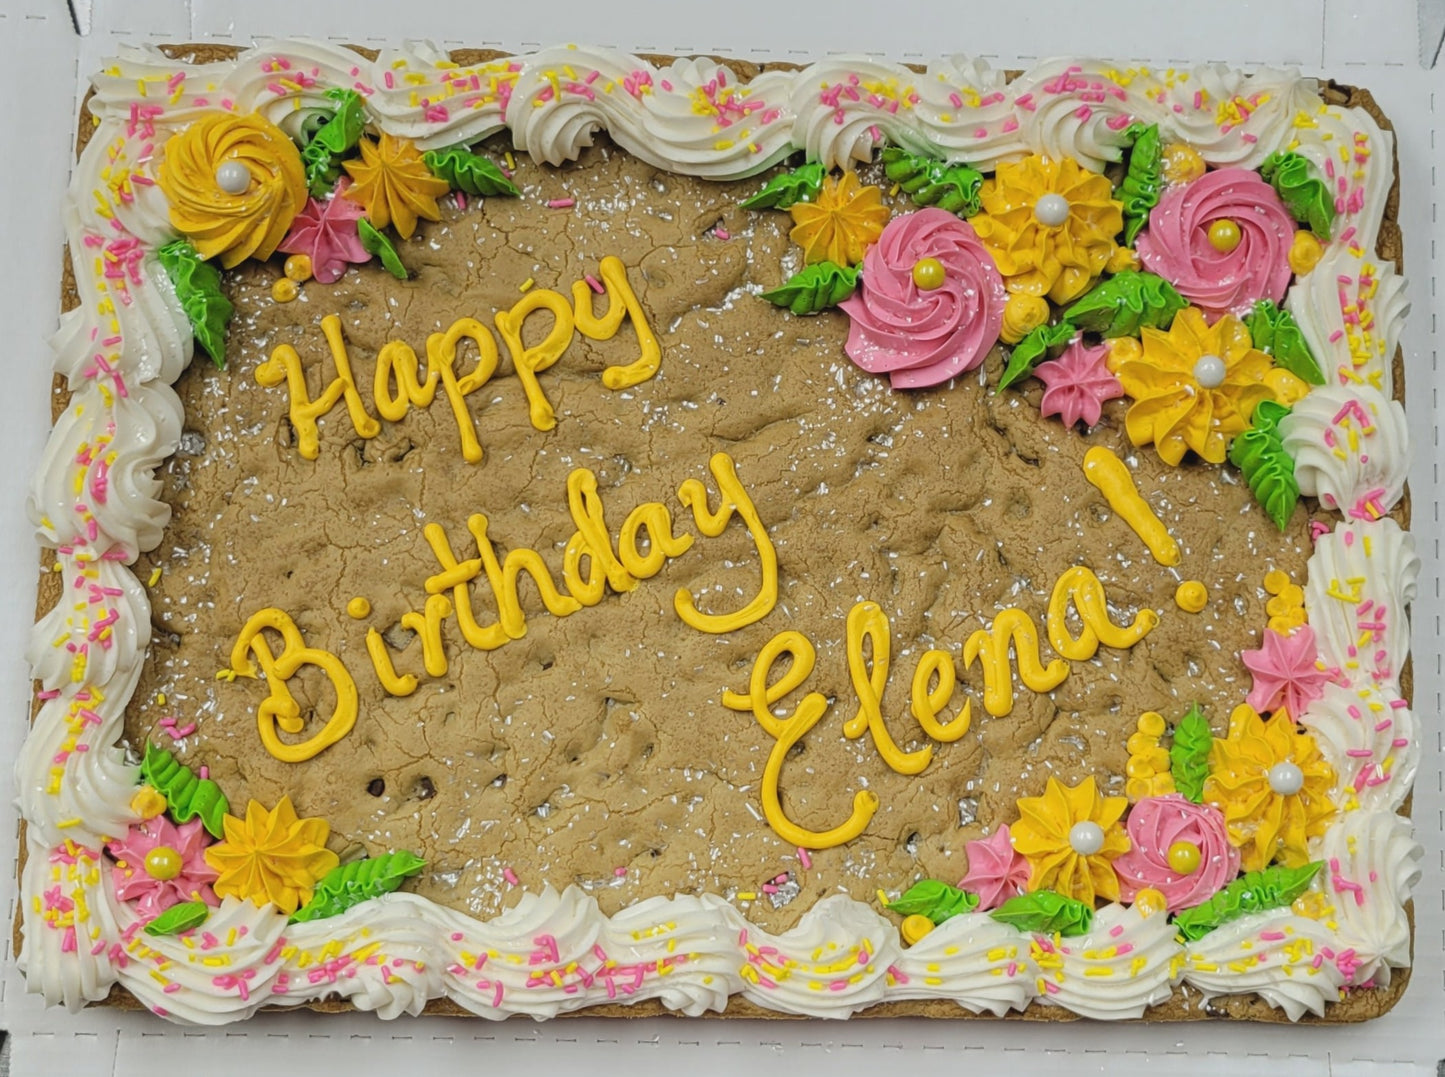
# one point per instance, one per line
(326, 233)
(996, 871)
(1077, 383)
(1285, 672)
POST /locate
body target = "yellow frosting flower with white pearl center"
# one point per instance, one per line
(233, 185)
(1049, 225)
(1070, 836)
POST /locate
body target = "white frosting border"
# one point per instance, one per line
(128, 340)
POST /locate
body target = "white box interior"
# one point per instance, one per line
(1373, 43)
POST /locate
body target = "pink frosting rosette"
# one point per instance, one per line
(1156, 823)
(1177, 247)
(924, 336)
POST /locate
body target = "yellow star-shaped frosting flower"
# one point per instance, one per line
(271, 856)
(1070, 837)
(1194, 387)
(842, 224)
(1273, 786)
(394, 184)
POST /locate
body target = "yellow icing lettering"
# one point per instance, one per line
(868, 623)
(732, 498)
(928, 703)
(397, 386)
(621, 300)
(661, 542)
(1012, 626)
(457, 576)
(428, 626)
(787, 731)
(530, 362)
(441, 356)
(1109, 474)
(503, 577)
(285, 365)
(398, 362)
(280, 707)
(1080, 586)
(585, 506)
(590, 588)
(403, 685)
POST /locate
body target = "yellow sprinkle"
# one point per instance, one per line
(526, 284)
(747, 895)
(155, 577)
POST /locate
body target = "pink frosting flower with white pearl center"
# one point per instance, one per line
(1158, 824)
(926, 326)
(159, 864)
(1227, 271)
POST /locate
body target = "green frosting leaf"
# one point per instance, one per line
(815, 288)
(802, 184)
(1305, 195)
(935, 900)
(1045, 913)
(934, 183)
(361, 880)
(1139, 192)
(1032, 350)
(1275, 332)
(187, 796)
(198, 287)
(1126, 303)
(178, 918)
(1260, 455)
(378, 244)
(470, 172)
(336, 137)
(1273, 888)
(1189, 754)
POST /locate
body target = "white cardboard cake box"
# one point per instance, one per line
(46, 53)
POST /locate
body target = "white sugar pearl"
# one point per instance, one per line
(1052, 210)
(1209, 371)
(233, 177)
(1086, 838)
(1286, 779)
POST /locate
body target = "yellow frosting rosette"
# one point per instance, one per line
(220, 222)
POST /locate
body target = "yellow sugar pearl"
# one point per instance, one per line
(1191, 596)
(358, 608)
(1123, 350)
(1224, 235)
(163, 863)
(1182, 163)
(298, 268)
(1150, 901)
(1151, 724)
(928, 274)
(1276, 580)
(1288, 389)
(285, 290)
(914, 928)
(1122, 260)
(1022, 314)
(1184, 858)
(1305, 252)
(147, 802)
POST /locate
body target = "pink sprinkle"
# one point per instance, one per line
(804, 858)
(898, 975)
(594, 284)
(388, 78)
(205, 771)
(510, 876)
(1013, 968)
(1083, 112)
(461, 197)
(1117, 122)
(621, 873)
(769, 888)
(722, 233)
(1051, 988)
(1116, 931)
(1399, 742)
(561, 203)
(667, 86)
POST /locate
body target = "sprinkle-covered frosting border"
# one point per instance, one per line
(96, 502)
